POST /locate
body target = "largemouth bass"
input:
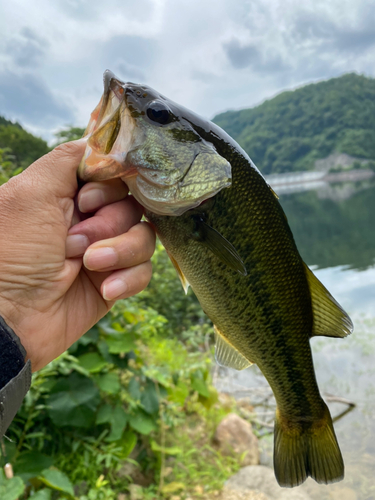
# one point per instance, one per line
(229, 239)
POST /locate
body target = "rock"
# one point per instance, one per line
(226, 401)
(344, 494)
(129, 469)
(136, 492)
(234, 436)
(245, 404)
(261, 478)
(229, 494)
(338, 160)
(81, 488)
(133, 471)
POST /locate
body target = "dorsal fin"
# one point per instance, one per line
(184, 281)
(330, 319)
(227, 355)
(274, 192)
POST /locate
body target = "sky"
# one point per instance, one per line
(209, 55)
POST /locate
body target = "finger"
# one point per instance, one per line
(95, 195)
(110, 221)
(76, 245)
(76, 217)
(126, 282)
(56, 171)
(127, 250)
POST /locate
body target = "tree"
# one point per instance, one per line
(7, 166)
(69, 134)
(25, 147)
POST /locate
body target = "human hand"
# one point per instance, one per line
(47, 296)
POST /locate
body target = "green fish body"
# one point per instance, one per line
(229, 239)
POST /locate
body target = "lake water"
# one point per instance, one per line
(334, 227)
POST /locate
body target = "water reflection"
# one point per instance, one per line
(334, 226)
(334, 231)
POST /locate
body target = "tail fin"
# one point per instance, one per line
(306, 450)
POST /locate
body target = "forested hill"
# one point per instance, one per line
(286, 133)
(4, 121)
(292, 130)
(23, 147)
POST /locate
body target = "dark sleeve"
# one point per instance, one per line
(15, 375)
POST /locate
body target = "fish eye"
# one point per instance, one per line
(159, 112)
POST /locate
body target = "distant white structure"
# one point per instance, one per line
(320, 177)
(338, 160)
(292, 182)
(294, 177)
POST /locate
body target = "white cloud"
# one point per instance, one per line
(209, 56)
(30, 100)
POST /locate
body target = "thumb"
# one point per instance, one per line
(57, 170)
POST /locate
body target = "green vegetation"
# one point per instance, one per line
(8, 168)
(25, 147)
(18, 148)
(69, 134)
(129, 402)
(292, 130)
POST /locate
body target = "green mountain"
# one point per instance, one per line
(4, 121)
(295, 128)
(24, 147)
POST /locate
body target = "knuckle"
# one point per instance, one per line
(145, 278)
(72, 148)
(145, 237)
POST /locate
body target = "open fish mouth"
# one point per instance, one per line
(107, 149)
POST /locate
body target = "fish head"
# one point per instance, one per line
(154, 146)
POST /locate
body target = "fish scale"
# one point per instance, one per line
(227, 237)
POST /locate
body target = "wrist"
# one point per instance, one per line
(20, 326)
(12, 353)
(10, 315)
(15, 375)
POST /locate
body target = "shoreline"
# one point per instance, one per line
(308, 177)
(295, 182)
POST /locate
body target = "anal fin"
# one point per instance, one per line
(330, 319)
(227, 355)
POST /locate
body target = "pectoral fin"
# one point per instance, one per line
(218, 245)
(330, 319)
(227, 355)
(184, 281)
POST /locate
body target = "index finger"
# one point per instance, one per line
(95, 195)
(110, 221)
